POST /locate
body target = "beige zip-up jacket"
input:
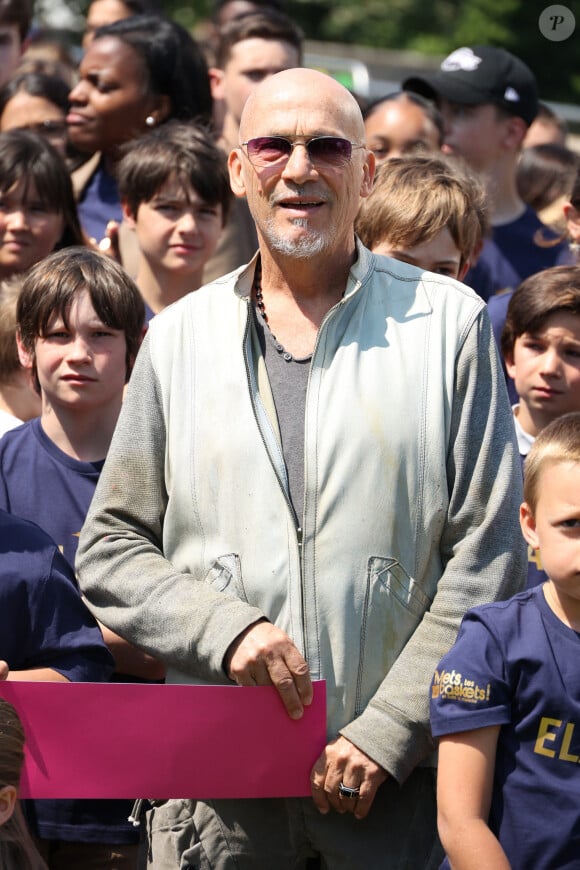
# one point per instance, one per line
(412, 490)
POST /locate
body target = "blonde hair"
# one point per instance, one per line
(416, 197)
(558, 442)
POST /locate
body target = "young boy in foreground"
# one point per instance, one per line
(80, 322)
(427, 212)
(506, 698)
(541, 347)
(175, 191)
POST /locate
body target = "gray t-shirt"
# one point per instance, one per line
(288, 380)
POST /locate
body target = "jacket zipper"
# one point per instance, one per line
(297, 525)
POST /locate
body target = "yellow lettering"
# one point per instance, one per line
(564, 753)
(544, 734)
(535, 557)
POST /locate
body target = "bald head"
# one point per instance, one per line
(311, 97)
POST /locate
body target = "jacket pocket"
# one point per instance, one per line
(394, 606)
(225, 575)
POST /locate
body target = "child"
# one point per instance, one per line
(488, 98)
(424, 211)
(18, 399)
(80, 320)
(175, 191)
(572, 218)
(37, 208)
(17, 850)
(15, 22)
(402, 123)
(506, 698)
(57, 639)
(541, 348)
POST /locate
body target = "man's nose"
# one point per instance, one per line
(299, 165)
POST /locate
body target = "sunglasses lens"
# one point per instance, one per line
(266, 150)
(330, 150)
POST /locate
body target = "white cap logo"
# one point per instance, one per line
(511, 95)
(461, 58)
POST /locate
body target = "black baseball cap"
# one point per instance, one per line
(482, 74)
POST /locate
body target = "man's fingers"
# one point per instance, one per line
(342, 767)
(317, 779)
(284, 681)
(262, 655)
(4, 670)
(301, 676)
(365, 799)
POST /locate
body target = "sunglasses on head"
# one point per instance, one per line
(322, 150)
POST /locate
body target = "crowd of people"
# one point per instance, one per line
(290, 391)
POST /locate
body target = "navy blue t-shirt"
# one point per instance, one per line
(99, 204)
(512, 254)
(515, 664)
(40, 482)
(43, 621)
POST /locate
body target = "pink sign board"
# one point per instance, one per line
(128, 740)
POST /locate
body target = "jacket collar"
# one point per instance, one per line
(359, 272)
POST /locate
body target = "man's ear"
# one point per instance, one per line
(236, 169)
(216, 82)
(515, 133)
(528, 526)
(368, 174)
(8, 798)
(572, 216)
(25, 357)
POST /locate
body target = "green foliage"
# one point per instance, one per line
(432, 27)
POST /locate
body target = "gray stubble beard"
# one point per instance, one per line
(308, 245)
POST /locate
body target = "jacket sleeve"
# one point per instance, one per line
(482, 550)
(127, 582)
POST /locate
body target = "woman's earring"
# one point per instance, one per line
(150, 121)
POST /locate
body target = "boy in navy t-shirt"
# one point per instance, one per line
(541, 347)
(176, 195)
(80, 322)
(57, 637)
(506, 699)
(488, 98)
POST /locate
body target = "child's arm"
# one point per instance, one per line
(464, 789)
(32, 674)
(130, 659)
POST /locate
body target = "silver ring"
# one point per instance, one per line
(347, 792)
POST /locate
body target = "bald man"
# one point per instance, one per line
(313, 476)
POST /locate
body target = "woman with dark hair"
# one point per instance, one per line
(37, 208)
(38, 103)
(137, 73)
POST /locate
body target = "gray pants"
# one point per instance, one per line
(400, 833)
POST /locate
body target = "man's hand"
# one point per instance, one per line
(4, 670)
(342, 762)
(264, 655)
